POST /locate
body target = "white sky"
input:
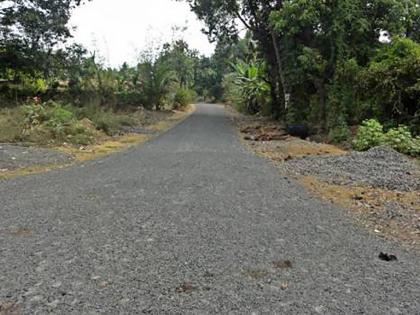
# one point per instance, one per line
(120, 29)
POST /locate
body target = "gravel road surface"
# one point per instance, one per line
(380, 167)
(190, 223)
(17, 156)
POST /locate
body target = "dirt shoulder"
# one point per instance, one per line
(379, 188)
(19, 159)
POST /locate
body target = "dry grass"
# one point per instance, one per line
(371, 207)
(280, 151)
(10, 125)
(29, 170)
(104, 147)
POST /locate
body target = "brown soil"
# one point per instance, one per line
(391, 214)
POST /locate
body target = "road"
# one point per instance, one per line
(190, 223)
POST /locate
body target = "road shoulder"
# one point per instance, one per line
(379, 189)
(19, 159)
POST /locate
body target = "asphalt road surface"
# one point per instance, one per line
(190, 223)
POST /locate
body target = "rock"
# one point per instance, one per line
(387, 257)
(185, 287)
(300, 131)
(283, 264)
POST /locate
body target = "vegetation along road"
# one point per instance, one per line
(190, 222)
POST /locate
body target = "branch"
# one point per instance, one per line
(243, 21)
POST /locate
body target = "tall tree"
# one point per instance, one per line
(30, 30)
(223, 20)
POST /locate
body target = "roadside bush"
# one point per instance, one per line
(339, 134)
(232, 94)
(370, 134)
(183, 97)
(401, 140)
(53, 122)
(250, 78)
(105, 119)
(127, 99)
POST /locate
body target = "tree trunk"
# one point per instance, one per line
(322, 94)
(285, 88)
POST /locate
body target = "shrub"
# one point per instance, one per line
(339, 134)
(232, 94)
(105, 119)
(250, 78)
(401, 140)
(53, 122)
(80, 132)
(183, 97)
(370, 134)
(34, 114)
(61, 115)
(127, 99)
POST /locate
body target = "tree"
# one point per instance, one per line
(155, 78)
(303, 42)
(182, 60)
(30, 30)
(222, 17)
(319, 36)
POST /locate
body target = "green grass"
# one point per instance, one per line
(54, 123)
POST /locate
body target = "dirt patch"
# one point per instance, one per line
(9, 308)
(21, 231)
(282, 264)
(292, 148)
(268, 138)
(388, 213)
(380, 188)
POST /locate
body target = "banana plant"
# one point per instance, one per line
(249, 77)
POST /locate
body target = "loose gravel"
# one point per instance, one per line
(190, 223)
(380, 167)
(15, 156)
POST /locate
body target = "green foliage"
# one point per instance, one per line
(232, 93)
(250, 81)
(29, 32)
(339, 134)
(183, 97)
(156, 79)
(104, 119)
(370, 134)
(35, 114)
(390, 82)
(53, 122)
(401, 140)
